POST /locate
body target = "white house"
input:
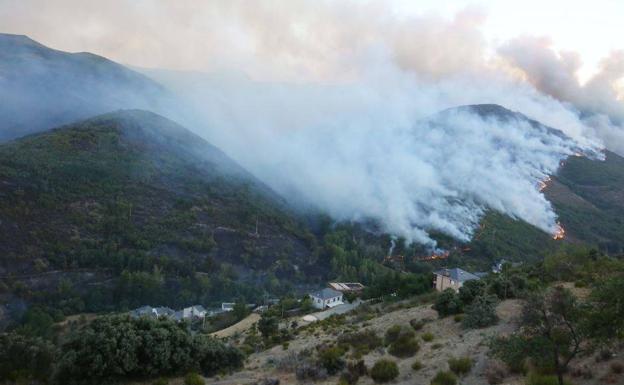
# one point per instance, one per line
(326, 298)
(451, 278)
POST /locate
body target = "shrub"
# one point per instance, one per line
(582, 371)
(404, 346)
(617, 367)
(354, 371)
(161, 381)
(268, 326)
(139, 348)
(540, 379)
(362, 342)
(436, 346)
(392, 334)
(193, 379)
(417, 365)
(444, 378)
(427, 337)
(307, 370)
(604, 355)
(512, 350)
(448, 303)
(331, 359)
(458, 317)
(471, 290)
(384, 371)
(21, 356)
(417, 324)
(481, 312)
(285, 345)
(460, 366)
(495, 372)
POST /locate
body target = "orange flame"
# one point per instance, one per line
(544, 183)
(559, 232)
(435, 255)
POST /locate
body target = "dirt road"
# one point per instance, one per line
(238, 327)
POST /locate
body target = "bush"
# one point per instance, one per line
(404, 346)
(458, 317)
(495, 372)
(331, 359)
(393, 333)
(268, 326)
(161, 381)
(306, 370)
(481, 313)
(193, 379)
(444, 378)
(354, 371)
(448, 303)
(362, 342)
(139, 348)
(540, 379)
(460, 366)
(427, 337)
(617, 367)
(25, 357)
(384, 371)
(417, 324)
(471, 290)
(512, 350)
(417, 365)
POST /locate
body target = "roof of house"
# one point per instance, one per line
(326, 293)
(200, 308)
(142, 311)
(457, 274)
(164, 310)
(346, 286)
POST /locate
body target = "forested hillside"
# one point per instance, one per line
(131, 208)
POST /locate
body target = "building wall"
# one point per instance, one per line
(443, 282)
(322, 304)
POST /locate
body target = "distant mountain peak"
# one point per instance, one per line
(41, 87)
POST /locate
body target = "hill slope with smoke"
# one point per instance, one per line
(360, 152)
(132, 185)
(41, 88)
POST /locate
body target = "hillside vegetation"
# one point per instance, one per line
(133, 196)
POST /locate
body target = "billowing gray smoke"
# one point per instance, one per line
(375, 150)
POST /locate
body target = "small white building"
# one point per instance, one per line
(326, 298)
(451, 279)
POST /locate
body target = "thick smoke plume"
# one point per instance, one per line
(334, 104)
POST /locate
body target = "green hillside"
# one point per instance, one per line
(131, 208)
(589, 198)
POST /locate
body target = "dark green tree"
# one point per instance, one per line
(481, 312)
(268, 326)
(448, 303)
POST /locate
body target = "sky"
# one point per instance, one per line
(593, 29)
(131, 31)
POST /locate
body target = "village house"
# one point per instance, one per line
(326, 298)
(451, 278)
(196, 311)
